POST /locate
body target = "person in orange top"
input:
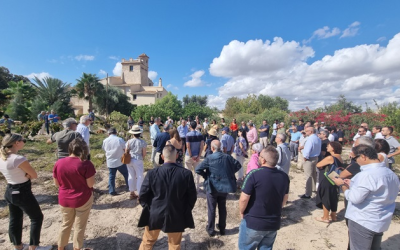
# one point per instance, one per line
(234, 128)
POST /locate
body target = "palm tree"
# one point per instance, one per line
(51, 89)
(87, 86)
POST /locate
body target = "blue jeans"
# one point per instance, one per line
(111, 180)
(250, 239)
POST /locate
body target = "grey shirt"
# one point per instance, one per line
(393, 144)
(63, 138)
(284, 158)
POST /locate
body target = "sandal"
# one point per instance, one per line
(322, 220)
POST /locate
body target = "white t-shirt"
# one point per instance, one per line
(331, 138)
(11, 171)
(379, 136)
(385, 159)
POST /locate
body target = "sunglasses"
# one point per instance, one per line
(23, 140)
(356, 157)
(360, 131)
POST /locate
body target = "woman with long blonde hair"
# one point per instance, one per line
(18, 173)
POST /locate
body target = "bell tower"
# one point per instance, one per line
(144, 69)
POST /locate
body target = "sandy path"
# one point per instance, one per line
(113, 220)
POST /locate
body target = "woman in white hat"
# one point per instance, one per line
(212, 135)
(137, 149)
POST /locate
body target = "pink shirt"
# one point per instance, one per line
(71, 173)
(253, 163)
(252, 135)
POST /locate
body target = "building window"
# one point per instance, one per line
(131, 68)
(134, 97)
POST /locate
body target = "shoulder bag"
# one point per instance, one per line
(126, 157)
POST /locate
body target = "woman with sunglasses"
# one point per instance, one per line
(18, 173)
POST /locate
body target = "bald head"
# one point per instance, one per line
(215, 145)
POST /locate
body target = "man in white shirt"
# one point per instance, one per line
(371, 196)
(367, 132)
(205, 124)
(377, 131)
(83, 129)
(114, 147)
(154, 131)
(394, 145)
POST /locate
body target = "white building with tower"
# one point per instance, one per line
(134, 82)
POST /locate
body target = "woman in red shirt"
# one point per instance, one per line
(74, 176)
(234, 128)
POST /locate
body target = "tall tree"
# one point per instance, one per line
(115, 100)
(55, 93)
(5, 78)
(342, 104)
(198, 99)
(87, 86)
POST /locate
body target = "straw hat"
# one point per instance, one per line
(212, 132)
(135, 130)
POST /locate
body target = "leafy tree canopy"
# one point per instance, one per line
(198, 99)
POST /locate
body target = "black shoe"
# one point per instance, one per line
(212, 234)
(305, 196)
(221, 231)
(114, 194)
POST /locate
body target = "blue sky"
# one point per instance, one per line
(66, 38)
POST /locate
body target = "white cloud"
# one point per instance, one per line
(196, 79)
(351, 30)
(152, 75)
(114, 58)
(102, 72)
(117, 71)
(41, 75)
(381, 39)
(324, 33)
(84, 58)
(361, 73)
(169, 86)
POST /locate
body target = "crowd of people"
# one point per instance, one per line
(185, 151)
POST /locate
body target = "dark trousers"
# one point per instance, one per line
(272, 141)
(234, 134)
(212, 200)
(47, 128)
(20, 199)
(113, 172)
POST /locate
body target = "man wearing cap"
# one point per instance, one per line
(159, 144)
(6, 120)
(218, 170)
(114, 147)
(227, 141)
(194, 145)
(64, 137)
(154, 131)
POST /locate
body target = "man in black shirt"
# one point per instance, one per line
(264, 192)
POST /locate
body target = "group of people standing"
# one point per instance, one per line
(168, 192)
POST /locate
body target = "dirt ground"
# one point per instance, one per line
(113, 221)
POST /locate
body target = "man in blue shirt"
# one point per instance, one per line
(194, 147)
(371, 196)
(300, 127)
(227, 141)
(294, 143)
(264, 133)
(264, 192)
(183, 130)
(53, 117)
(159, 144)
(154, 131)
(311, 151)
